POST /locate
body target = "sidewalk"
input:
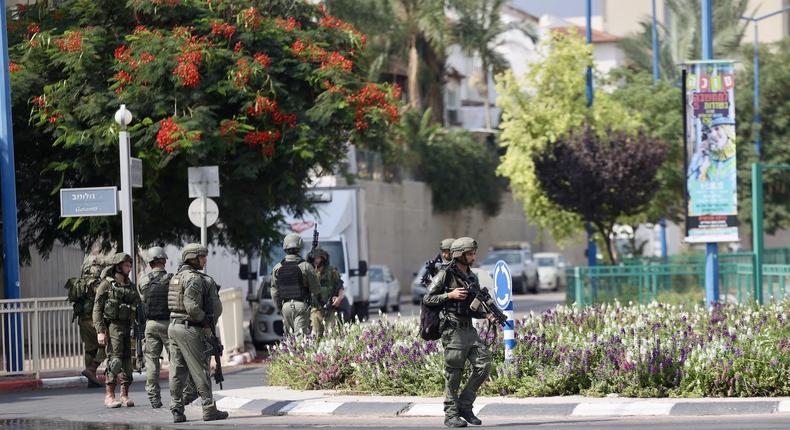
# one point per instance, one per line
(273, 401)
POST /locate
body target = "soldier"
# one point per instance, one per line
(331, 289)
(444, 248)
(153, 292)
(294, 286)
(114, 313)
(82, 294)
(459, 338)
(193, 300)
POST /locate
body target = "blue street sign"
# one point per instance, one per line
(99, 201)
(503, 284)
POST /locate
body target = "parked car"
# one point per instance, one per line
(522, 268)
(384, 288)
(417, 289)
(551, 270)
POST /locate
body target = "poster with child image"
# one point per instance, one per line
(711, 174)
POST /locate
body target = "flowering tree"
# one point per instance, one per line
(269, 91)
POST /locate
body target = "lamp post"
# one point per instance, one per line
(592, 250)
(662, 223)
(756, 101)
(123, 117)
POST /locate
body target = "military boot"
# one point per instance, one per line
(156, 402)
(90, 374)
(125, 400)
(179, 417)
(210, 413)
(109, 397)
(454, 422)
(470, 417)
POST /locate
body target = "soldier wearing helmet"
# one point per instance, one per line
(193, 301)
(114, 312)
(461, 341)
(330, 295)
(444, 248)
(295, 287)
(154, 287)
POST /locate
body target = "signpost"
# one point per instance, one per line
(503, 284)
(137, 172)
(203, 182)
(78, 202)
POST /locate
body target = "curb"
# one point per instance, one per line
(621, 408)
(64, 382)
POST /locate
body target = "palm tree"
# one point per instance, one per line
(680, 40)
(479, 32)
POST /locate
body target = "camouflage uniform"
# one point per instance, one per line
(194, 303)
(89, 280)
(460, 340)
(330, 285)
(295, 287)
(114, 312)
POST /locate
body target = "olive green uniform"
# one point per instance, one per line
(296, 311)
(156, 339)
(193, 300)
(330, 285)
(460, 340)
(114, 313)
(94, 353)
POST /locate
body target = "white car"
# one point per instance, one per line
(551, 270)
(384, 288)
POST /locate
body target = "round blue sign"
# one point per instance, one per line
(503, 284)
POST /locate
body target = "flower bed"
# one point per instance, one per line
(642, 351)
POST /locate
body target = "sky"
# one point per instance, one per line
(561, 8)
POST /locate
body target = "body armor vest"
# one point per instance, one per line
(120, 301)
(175, 293)
(156, 297)
(290, 282)
(458, 307)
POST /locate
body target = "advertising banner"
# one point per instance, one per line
(711, 195)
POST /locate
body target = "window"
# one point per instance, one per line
(507, 257)
(376, 274)
(546, 262)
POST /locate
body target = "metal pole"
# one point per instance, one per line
(13, 334)
(757, 230)
(589, 41)
(203, 221)
(656, 73)
(757, 118)
(125, 196)
(712, 249)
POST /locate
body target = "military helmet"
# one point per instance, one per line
(292, 241)
(461, 245)
(193, 250)
(93, 265)
(156, 253)
(446, 244)
(120, 257)
(321, 252)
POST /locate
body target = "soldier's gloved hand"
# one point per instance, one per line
(457, 294)
(102, 339)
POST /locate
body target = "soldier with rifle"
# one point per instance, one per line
(295, 287)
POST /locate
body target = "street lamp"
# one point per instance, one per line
(123, 117)
(757, 118)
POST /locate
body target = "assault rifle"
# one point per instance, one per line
(482, 300)
(311, 254)
(138, 331)
(215, 348)
(430, 270)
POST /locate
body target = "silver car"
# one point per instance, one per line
(522, 268)
(384, 289)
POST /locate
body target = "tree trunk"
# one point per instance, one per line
(486, 107)
(413, 71)
(607, 240)
(435, 62)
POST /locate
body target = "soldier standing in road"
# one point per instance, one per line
(114, 313)
(193, 300)
(459, 338)
(331, 289)
(82, 294)
(153, 292)
(295, 286)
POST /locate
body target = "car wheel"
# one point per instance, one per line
(383, 307)
(415, 302)
(536, 285)
(396, 308)
(556, 284)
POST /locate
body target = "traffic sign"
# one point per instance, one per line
(196, 212)
(78, 202)
(503, 284)
(203, 181)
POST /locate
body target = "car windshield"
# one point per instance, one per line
(376, 274)
(507, 257)
(546, 262)
(334, 248)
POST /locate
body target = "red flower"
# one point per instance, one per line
(237, 48)
(228, 127)
(298, 47)
(223, 29)
(188, 73)
(261, 137)
(146, 58)
(262, 105)
(54, 118)
(123, 77)
(263, 59)
(251, 18)
(268, 150)
(284, 118)
(14, 67)
(170, 3)
(335, 59)
(288, 25)
(72, 42)
(39, 101)
(33, 29)
(242, 74)
(169, 133)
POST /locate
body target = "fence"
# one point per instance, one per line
(681, 280)
(38, 335)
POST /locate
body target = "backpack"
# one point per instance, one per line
(82, 290)
(431, 319)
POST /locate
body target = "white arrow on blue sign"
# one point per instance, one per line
(503, 285)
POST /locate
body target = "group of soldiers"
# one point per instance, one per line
(306, 292)
(180, 311)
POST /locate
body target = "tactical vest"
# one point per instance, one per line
(290, 281)
(329, 280)
(120, 302)
(458, 307)
(156, 297)
(175, 293)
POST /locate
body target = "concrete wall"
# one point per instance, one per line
(404, 232)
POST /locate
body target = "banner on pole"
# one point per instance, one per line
(711, 194)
